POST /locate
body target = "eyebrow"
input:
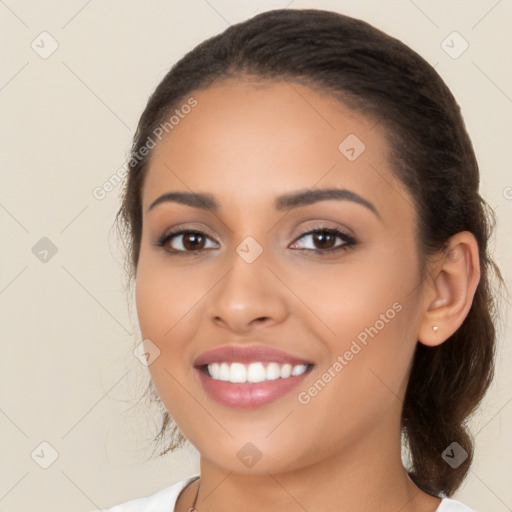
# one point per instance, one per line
(284, 202)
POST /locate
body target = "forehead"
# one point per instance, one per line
(259, 139)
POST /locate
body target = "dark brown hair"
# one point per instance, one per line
(431, 153)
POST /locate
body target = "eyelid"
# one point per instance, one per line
(326, 226)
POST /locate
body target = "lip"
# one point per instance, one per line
(247, 355)
(248, 395)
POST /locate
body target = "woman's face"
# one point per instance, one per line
(254, 280)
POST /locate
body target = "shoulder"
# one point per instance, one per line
(449, 505)
(163, 500)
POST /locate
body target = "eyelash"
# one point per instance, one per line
(348, 240)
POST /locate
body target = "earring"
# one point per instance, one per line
(434, 327)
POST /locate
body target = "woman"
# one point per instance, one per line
(309, 251)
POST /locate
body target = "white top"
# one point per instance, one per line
(165, 501)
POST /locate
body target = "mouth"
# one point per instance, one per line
(249, 377)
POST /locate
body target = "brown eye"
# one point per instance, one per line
(324, 240)
(184, 241)
(193, 241)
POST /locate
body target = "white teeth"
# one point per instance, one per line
(273, 371)
(297, 370)
(286, 371)
(214, 370)
(223, 371)
(237, 373)
(254, 372)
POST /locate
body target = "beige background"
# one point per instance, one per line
(68, 374)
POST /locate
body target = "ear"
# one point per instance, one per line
(453, 280)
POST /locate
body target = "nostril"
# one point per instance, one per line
(261, 319)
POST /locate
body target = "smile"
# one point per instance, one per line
(249, 376)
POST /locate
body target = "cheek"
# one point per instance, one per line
(353, 295)
(169, 301)
(163, 302)
(164, 297)
(369, 313)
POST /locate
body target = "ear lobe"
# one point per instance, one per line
(454, 279)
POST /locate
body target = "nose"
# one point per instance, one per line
(248, 297)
